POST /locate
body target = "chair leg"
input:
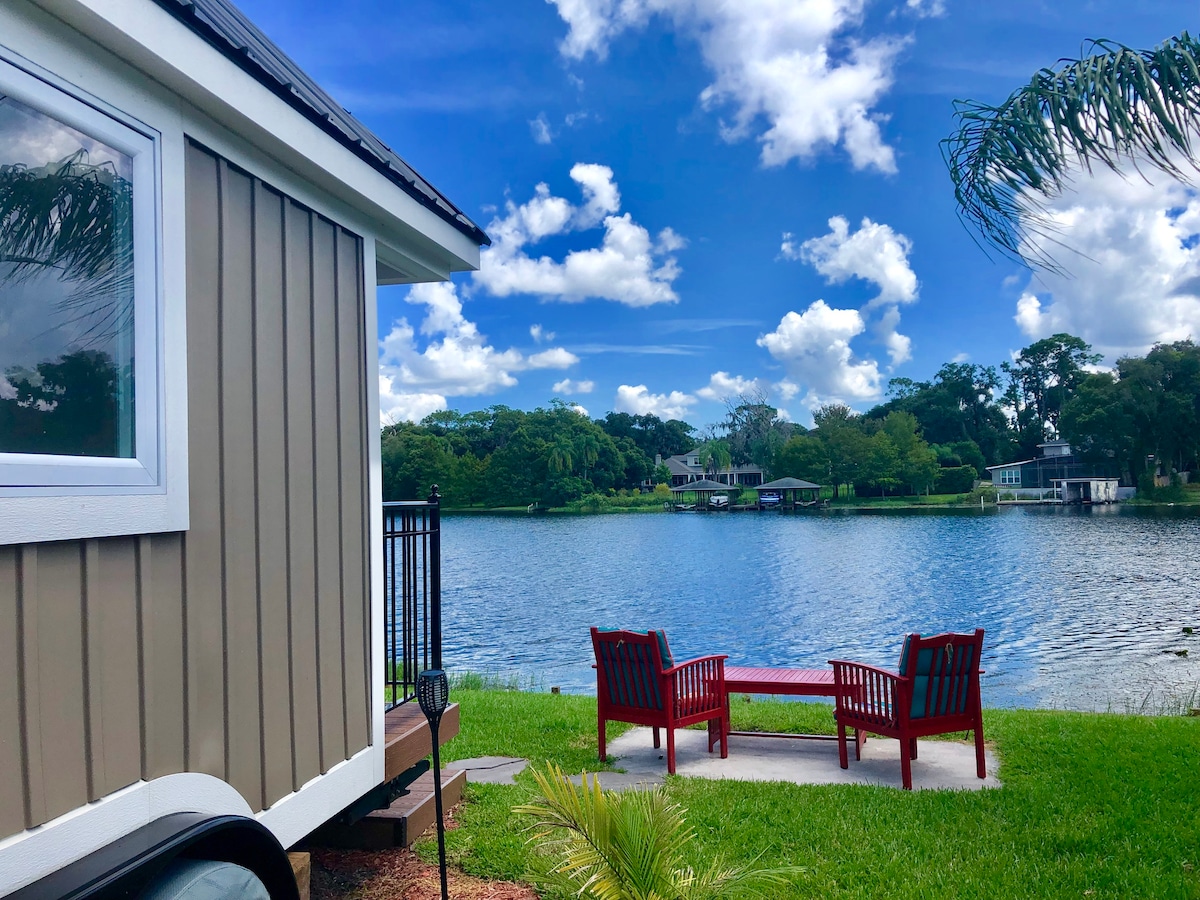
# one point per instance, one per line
(671, 751)
(843, 759)
(656, 743)
(980, 762)
(860, 738)
(912, 748)
(905, 769)
(724, 739)
(600, 734)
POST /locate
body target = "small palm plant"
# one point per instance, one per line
(606, 845)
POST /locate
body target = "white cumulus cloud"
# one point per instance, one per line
(567, 386)
(795, 73)
(875, 253)
(1132, 274)
(722, 386)
(628, 267)
(455, 361)
(637, 400)
(814, 349)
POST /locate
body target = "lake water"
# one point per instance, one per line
(1085, 608)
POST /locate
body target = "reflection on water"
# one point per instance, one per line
(1084, 608)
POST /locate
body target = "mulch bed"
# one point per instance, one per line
(398, 875)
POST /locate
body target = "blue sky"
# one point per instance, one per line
(692, 198)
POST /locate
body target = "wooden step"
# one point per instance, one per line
(411, 815)
(407, 739)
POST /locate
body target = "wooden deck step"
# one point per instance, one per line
(407, 739)
(409, 816)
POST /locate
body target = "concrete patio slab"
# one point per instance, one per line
(621, 781)
(940, 764)
(490, 769)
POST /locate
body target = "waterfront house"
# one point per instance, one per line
(686, 468)
(192, 585)
(1041, 477)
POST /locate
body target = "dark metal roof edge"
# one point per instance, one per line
(354, 136)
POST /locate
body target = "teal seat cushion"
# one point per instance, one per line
(923, 677)
(663, 650)
(904, 654)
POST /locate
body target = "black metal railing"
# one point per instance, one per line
(412, 560)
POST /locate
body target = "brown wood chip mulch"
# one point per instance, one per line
(398, 875)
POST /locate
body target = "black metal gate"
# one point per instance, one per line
(412, 559)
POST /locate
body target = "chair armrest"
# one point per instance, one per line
(698, 683)
(699, 659)
(867, 691)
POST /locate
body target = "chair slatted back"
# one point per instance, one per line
(630, 667)
(944, 672)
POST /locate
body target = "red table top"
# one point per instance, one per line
(798, 682)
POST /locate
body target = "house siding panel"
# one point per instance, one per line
(300, 492)
(56, 657)
(111, 621)
(270, 418)
(12, 755)
(240, 647)
(330, 673)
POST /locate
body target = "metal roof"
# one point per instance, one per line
(788, 484)
(704, 486)
(221, 24)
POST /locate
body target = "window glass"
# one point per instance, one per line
(66, 289)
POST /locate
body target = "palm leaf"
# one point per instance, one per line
(1115, 107)
(75, 219)
(628, 846)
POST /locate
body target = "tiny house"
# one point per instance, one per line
(191, 541)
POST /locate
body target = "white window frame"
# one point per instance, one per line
(40, 474)
(1010, 477)
(55, 498)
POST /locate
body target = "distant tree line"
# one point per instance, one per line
(936, 436)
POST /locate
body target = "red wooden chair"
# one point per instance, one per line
(935, 692)
(637, 681)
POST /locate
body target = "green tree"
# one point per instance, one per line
(752, 430)
(1042, 378)
(714, 457)
(412, 460)
(802, 456)
(840, 429)
(879, 464)
(958, 405)
(916, 462)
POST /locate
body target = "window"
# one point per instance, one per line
(1010, 476)
(79, 367)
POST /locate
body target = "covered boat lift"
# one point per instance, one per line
(788, 493)
(703, 488)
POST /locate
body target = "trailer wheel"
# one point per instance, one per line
(202, 879)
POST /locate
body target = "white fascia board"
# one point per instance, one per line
(152, 40)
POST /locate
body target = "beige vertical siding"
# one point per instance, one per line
(241, 647)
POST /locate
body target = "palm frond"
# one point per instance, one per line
(1115, 106)
(74, 219)
(628, 846)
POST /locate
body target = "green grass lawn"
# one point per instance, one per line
(1092, 806)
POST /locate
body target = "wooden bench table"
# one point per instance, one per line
(787, 682)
